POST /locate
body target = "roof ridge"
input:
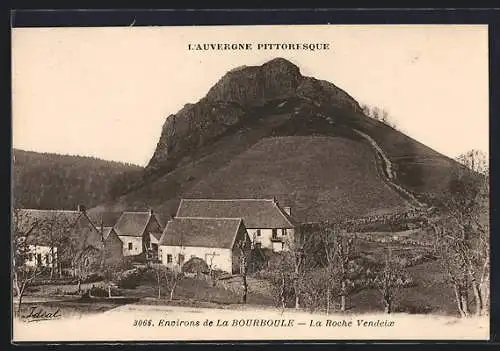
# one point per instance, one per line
(216, 218)
(285, 215)
(51, 210)
(233, 199)
(235, 236)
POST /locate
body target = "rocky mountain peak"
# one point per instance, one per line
(255, 85)
(230, 102)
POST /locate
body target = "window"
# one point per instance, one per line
(39, 259)
(275, 234)
(169, 258)
(130, 246)
(47, 260)
(181, 259)
(283, 232)
(258, 232)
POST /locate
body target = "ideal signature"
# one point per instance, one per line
(37, 313)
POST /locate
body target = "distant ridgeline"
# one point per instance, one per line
(52, 181)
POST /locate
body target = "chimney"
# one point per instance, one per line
(81, 208)
(288, 210)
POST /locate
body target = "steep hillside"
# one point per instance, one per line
(47, 181)
(338, 170)
(269, 131)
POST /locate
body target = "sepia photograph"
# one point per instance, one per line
(217, 183)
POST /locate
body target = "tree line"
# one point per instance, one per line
(51, 181)
(379, 114)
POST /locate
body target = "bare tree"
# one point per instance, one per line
(366, 109)
(329, 236)
(447, 249)
(389, 280)
(375, 113)
(86, 262)
(175, 275)
(344, 252)
(243, 247)
(211, 270)
(475, 160)
(23, 274)
(296, 253)
(280, 271)
(56, 227)
(112, 269)
(379, 114)
(462, 232)
(161, 272)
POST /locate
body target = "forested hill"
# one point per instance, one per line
(48, 181)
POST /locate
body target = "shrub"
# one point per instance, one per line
(415, 309)
(98, 291)
(93, 278)
(130, 279)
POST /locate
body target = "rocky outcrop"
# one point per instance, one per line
(229, 103)
(192, 127)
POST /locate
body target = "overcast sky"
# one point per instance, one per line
(106, 92)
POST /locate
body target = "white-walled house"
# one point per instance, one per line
(48, 235)
(217, 241)
(268, 224)
(41, 256)
(134, 230)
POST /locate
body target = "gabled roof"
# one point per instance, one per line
(256, 213)
(201, 232)
(107, 219)
(44, 223)
(133, 223)
(107, 231)
(157, 236)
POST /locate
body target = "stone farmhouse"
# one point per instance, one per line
(138, 232)
(54, 237)
(268, 224)
(218, 241)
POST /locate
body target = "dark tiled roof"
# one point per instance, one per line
(157, 236)
(132, 223)
(256, 213)
(45, 223)
(201, 232)
(108, 219)
(107, 231)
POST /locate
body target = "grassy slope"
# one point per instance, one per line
(420, 169)
(46, 181)
(229, 158)
(163, 192)
(320, 177)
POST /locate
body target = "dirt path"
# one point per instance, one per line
(389, 172)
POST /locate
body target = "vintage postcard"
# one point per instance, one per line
(211, 183)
